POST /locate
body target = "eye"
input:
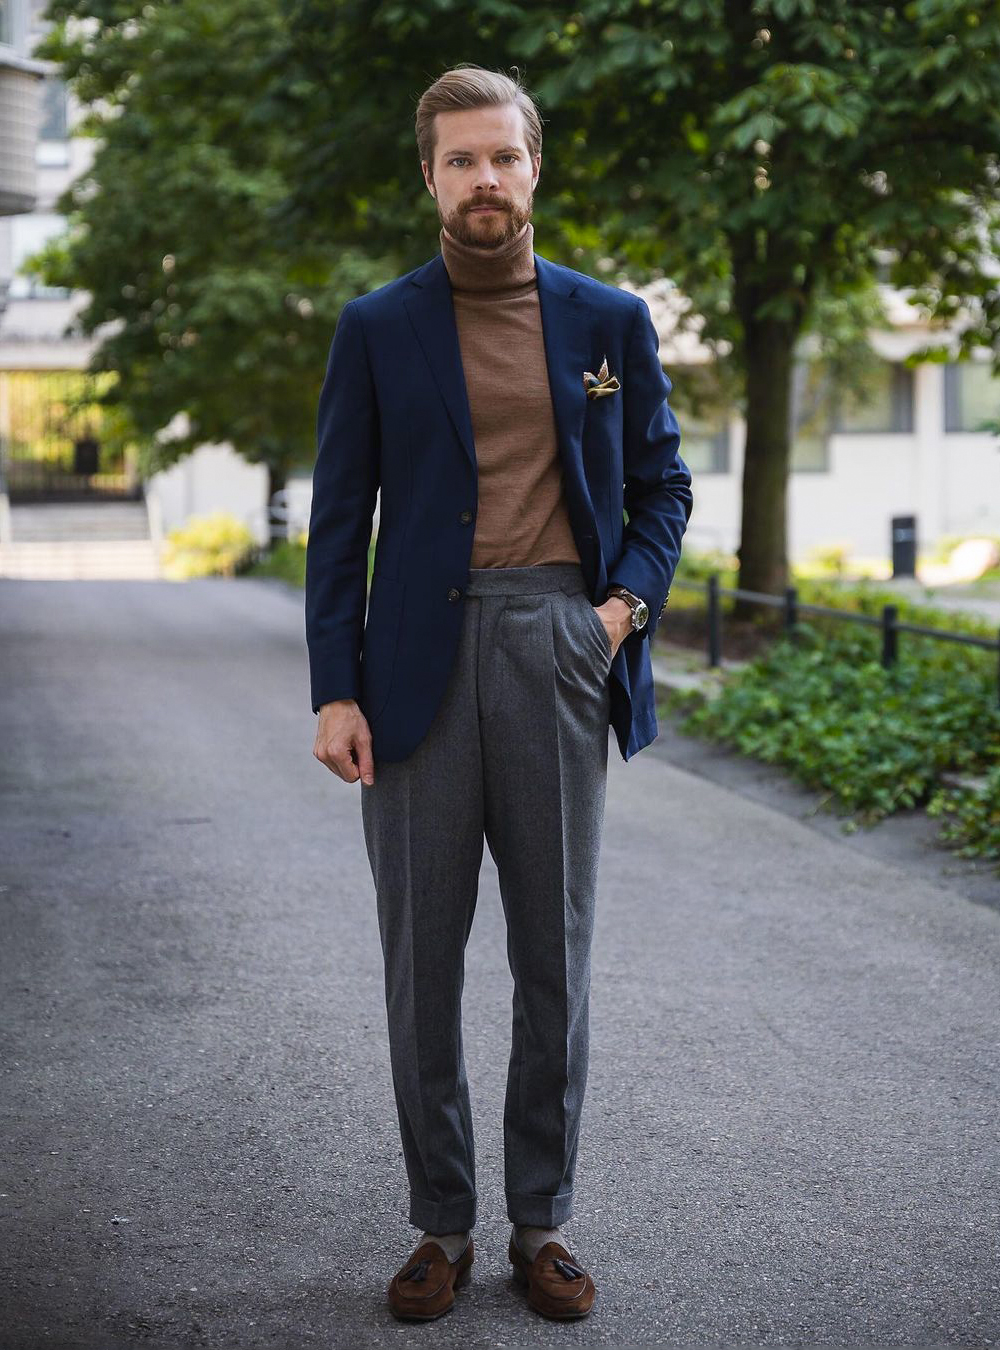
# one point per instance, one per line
(463, 159)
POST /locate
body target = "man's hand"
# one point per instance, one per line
(616, 615)
(342, 730)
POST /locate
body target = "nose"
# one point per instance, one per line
(487, 177)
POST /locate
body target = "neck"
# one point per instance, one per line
(490, 269)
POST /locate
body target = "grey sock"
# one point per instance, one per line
(531, 1239)
(454, 1244)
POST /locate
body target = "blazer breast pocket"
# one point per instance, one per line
(603, 416)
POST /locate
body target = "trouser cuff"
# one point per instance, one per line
(540, 1211)
(443, 1216)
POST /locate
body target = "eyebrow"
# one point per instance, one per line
(502, 151)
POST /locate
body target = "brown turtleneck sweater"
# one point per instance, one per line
(521, 518)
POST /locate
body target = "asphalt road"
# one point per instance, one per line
(791, 1128)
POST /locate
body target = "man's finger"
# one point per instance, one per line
(345, 764)
(366, 764)
(337, 759)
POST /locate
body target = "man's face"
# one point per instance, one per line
(481, 160)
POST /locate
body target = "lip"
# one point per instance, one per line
(484, 210)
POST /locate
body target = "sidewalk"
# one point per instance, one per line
(981, 598)
(791, 1133)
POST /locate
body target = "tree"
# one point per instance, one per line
(199, 306)
(258, 167)
(766, 155)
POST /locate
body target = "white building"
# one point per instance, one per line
(20, 87)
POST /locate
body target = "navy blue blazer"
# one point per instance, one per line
(394, 414)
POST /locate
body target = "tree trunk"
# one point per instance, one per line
(277, 477)
(768, 348)
(763, 530)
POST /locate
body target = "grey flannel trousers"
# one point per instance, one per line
(518, 753)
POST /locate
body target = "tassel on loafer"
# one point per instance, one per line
(558, 1286)
(425, 1287)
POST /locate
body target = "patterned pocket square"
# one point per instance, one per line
(600, 384)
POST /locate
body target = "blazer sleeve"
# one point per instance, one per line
(344, 487)
(658, 495)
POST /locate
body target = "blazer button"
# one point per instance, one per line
(465, 517)
(453, 594)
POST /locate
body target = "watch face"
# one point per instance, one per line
(641, 614)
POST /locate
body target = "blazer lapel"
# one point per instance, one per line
(566, 324)
(566, 333)
(432, 313)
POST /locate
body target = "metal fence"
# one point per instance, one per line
(791, 606)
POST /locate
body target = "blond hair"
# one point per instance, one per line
(470, 86)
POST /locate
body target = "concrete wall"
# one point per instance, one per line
(212, 478)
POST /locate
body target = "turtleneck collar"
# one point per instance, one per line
(490, 269)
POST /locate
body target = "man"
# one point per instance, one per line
(510, 410)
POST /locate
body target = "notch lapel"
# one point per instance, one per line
(432, 314)
(566, 331)
(567, 335)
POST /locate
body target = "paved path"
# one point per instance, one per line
(980, 598)
(792, 1131)
(969, 600)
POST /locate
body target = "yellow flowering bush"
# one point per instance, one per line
(212, 545)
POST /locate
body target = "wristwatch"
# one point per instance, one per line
(639, 608)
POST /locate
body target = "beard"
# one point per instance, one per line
(488, 232)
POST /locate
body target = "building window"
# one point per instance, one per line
(704, 449)
(809, 415)
(702, 409)
(971, 395)
(873, 399)
(6, 23)
(27, 234)
(53, 110)
(880, 400)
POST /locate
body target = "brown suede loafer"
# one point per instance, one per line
(557, 1286)
(425, 1287)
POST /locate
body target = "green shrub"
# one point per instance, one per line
(874, 740)
(832, 560)
(971, 816)
(699, 566)
(286, 559)
(209, 545)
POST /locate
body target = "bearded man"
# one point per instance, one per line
(510, 412)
